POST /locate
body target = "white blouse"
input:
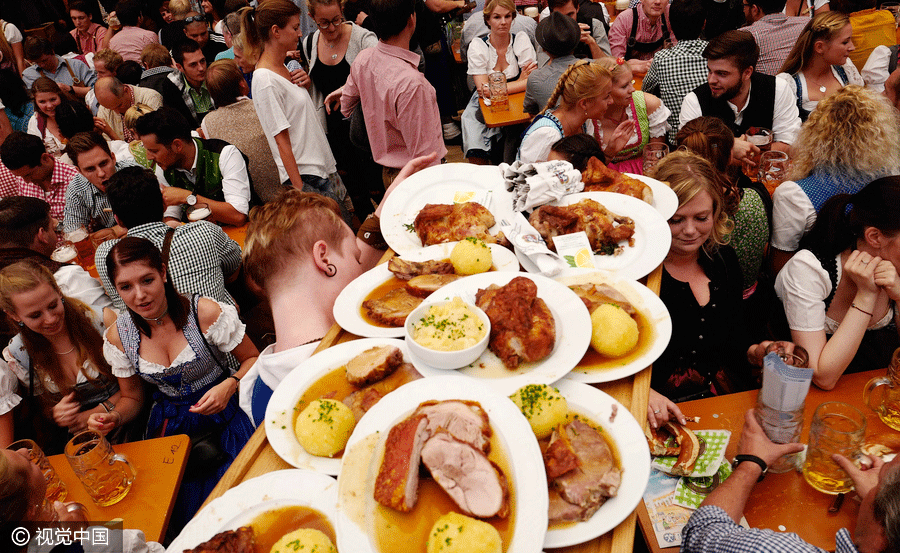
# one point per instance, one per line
(483, 57)
(803, 285)
(853, 77)
(225, 333)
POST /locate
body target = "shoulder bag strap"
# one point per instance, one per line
(75, 80)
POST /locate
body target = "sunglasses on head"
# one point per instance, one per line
(194, 19)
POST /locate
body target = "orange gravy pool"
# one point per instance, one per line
(397, 532)
(594, 361)
(617, 458)
(269, 527)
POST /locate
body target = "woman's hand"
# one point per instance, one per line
(526, 70)
(860, 267)
(333, 100)
(660, 409)
(300, 78)
(886, 277)
(639, 66)
(102, 125)
(620, 137)
(65, 413)
(216, 398)
(104, 423)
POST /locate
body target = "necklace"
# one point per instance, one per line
(311, 341)
(158, 320)
(65, 352)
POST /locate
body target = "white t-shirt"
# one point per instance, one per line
(280, 105)
(802, 285)
(11, 32)
(812, 5)
(271, 367)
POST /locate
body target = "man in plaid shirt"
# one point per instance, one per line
(191, 79)
(775, 33)
(676, 71)
(714, 526)
(40, 174)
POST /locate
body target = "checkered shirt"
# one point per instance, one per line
(56, 196)
(711, 529)
(84, 202)
(673, 74)
(203, 103)
(201, 257)
(775, 34)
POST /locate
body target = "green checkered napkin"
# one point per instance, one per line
(708, 463)
(686, 497)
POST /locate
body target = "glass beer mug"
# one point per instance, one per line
(106, 475)
(886, 402)
(499, 95)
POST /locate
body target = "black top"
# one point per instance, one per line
(329, 78)
(760, 111)
(708, 342)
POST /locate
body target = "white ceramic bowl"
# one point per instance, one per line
(445, 359)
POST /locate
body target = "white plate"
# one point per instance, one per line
(349, 302)
(573, 335)
(438, 185)
(652, 237)
(650, 306)
(527, 478)
(664, 198)
(280, 410)
(634, 454)
(302, 487)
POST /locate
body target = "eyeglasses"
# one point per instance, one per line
(325, 24)
(195, 19)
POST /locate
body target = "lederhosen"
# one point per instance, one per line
(632, 45)
(760, 110)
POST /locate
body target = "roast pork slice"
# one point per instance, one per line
(465, 421)
(423, 286)
(373, 364)
(405, 270)
(362, 400)
(397, 483)
(596, 478)
(467, 475)
(560, 456)
(563, 511)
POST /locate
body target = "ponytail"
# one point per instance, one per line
(256, 23)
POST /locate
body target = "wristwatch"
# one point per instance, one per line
(738, 459)
(191, 200)
(109, 406)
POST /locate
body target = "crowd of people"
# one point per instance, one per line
(148, 125)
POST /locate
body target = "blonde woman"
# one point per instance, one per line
(851, 139)
(645, 114)
(820, 64)
(701, 287)
(136, 147)
(513, 55)
(583, 92)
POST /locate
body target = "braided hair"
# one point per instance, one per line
(583, 79)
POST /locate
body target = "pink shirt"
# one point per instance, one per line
(11, 185)
(90, 41)
(621, 30)
(130, 41)
(399, 105)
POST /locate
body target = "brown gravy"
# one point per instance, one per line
(397, 532)
(270, 526)
(617, 458)
(596, 362)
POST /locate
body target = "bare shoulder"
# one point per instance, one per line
(112, 336)
(652, 102)
(208, 311)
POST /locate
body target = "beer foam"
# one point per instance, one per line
(199, 213)
(64, 254)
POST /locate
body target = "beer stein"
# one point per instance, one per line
(56, 490)
(886, 403)
(762, 139)
(836, 428)
(499, 96)
(106, 475)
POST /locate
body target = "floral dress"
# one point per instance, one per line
(201, 365)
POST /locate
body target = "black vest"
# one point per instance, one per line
(758, 113)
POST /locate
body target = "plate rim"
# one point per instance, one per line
(292, 387)
(653, 307)
(659, 188)
(637, 451)
(530, 499)
(575, 331)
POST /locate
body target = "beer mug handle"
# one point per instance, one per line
(870, 387)
(119, 458)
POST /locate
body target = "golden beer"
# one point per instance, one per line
(106, 476)
(836, 428)
(56, 490)
(887, 403)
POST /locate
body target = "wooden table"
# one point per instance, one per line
(159, 463)
(515, 115)
(259, 458)
(238, 234)
(783, 499)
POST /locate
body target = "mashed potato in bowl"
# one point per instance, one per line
(451, 326)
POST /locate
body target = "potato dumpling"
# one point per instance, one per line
(471, 256)
(613, 332)
(324, 427)
(456, 533)
(543, 406)
(304, 540)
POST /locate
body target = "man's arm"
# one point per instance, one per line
(229, 253)
(618, 33)
(235, 186)
(690, 109)
(600, 46)
(76, 213)
(786, 118)
(421, 123)
(651, 80)
(350, 95)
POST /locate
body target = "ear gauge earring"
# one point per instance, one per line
(330, 270)
(20, 323)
